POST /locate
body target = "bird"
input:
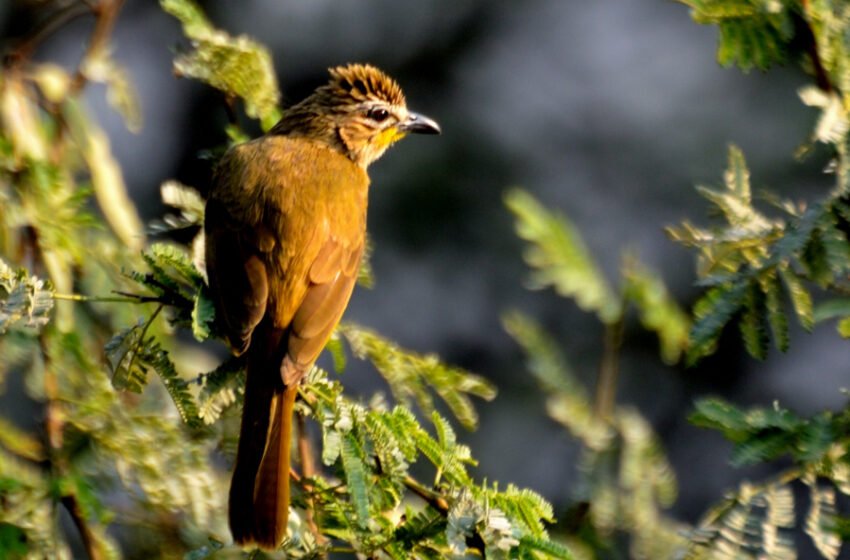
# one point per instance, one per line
(285, 230)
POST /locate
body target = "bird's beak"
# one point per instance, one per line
(419, 124)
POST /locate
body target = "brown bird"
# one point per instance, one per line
(285, 230)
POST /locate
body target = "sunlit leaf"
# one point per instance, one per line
(238, 66)
(559, 258)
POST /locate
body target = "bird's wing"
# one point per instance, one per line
(236, 249)
(285, 241)
(332, 276)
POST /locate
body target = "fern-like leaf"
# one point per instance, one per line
(559, 258)
(820, 519)
(410, 374)
(25, 301)
(353, 462)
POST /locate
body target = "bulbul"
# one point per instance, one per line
(285, 230)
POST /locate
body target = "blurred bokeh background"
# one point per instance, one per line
(609, 111)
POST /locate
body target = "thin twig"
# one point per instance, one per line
(24, 50)
(72, 505)
(609, 369)
(140, 298)
(308, 471)
(434, 499)
(107, 13)
(103, 299)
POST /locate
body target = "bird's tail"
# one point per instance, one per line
(259, 491)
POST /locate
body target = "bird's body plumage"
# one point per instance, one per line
(285, 231)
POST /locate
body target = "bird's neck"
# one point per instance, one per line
(302, 124)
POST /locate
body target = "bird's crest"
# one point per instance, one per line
(362, 82)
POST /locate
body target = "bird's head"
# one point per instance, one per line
(360, 112)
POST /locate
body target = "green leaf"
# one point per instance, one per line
(659, 312)
(128, 373)
(831, 309)
(711, 313)
(120, 93)
(203, 315)
(559, 258)
(763, 447)
(751, 34)
(336, 349)
(753, 327)
(816, 438)
(773, 417)
(107, 180)
(19, 442)
(736, 201)
(410, 374)
(548, 548)
(169, 257)
(801, 300)
(365, 274)
(569, 403)
(13, 541)
(158, 359)
(238, 66)
(220, 388)
(820, 519)
(545, 360)
(844, 327)
(353, 463)
(719, 414)
(776, 317)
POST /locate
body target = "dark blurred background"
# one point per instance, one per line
(609, 111)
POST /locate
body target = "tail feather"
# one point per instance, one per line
(271, 489)
(259, 490)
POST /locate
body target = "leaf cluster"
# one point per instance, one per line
(560, 259)
(626, 479)
(760, 519)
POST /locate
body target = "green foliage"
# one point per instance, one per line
(764, 434)
(373, 448)
(238, 66)
(559, 257)
(625, 475)
(25, 301)
(128, 448)
(754, 265)
(753, 523)
(146, 452)
(659, 312)
(760, 519)
(410, 375)
(752, 33)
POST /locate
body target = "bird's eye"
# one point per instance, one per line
(378, 114)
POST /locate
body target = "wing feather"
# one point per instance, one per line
(237, 276)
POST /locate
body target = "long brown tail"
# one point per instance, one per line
(259, 491)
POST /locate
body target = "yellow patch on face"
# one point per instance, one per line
(389, 136)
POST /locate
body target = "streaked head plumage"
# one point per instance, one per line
(360, 111)
(360, 83)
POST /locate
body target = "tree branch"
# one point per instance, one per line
(24, 50)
